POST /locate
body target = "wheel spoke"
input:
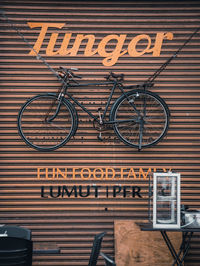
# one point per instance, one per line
(150, 121)
(35, 128)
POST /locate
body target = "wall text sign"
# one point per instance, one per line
(90, 191)
(98, 173)
(110, 57)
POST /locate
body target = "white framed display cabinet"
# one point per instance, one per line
(166, 200)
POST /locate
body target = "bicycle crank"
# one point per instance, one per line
(100, 126)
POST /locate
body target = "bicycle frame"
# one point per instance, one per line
(115, 84)
(134, 107)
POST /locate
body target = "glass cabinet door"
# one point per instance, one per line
(166, 200)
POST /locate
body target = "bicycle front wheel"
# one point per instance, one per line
(36, 129)
(141, 118)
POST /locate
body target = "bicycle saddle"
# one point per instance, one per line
(111, 76)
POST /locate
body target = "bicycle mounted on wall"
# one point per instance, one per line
(140, 118)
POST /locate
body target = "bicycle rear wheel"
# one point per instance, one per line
(145, 116)
(37, 131)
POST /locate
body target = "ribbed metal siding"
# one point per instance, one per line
(70, 224)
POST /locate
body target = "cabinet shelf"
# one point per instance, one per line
(166, 198)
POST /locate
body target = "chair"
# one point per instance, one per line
(96, 249)
(108, 260)
(15, 246)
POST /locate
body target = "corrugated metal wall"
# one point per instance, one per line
(69, 224)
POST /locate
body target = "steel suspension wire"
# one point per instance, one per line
(38, 56)
(163, 66)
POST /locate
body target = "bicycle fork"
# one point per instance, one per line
(48, 120)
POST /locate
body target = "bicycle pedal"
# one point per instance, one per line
(100, 137)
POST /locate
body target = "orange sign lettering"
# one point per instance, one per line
(110, 57)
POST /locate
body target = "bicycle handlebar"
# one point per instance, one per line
(69, 72)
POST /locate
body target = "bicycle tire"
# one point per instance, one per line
(154, 113)
(35, 129)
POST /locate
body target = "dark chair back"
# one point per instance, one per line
(15, 246)
(96, 249)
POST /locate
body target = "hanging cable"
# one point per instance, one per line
(163, 66)
(38, 56)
